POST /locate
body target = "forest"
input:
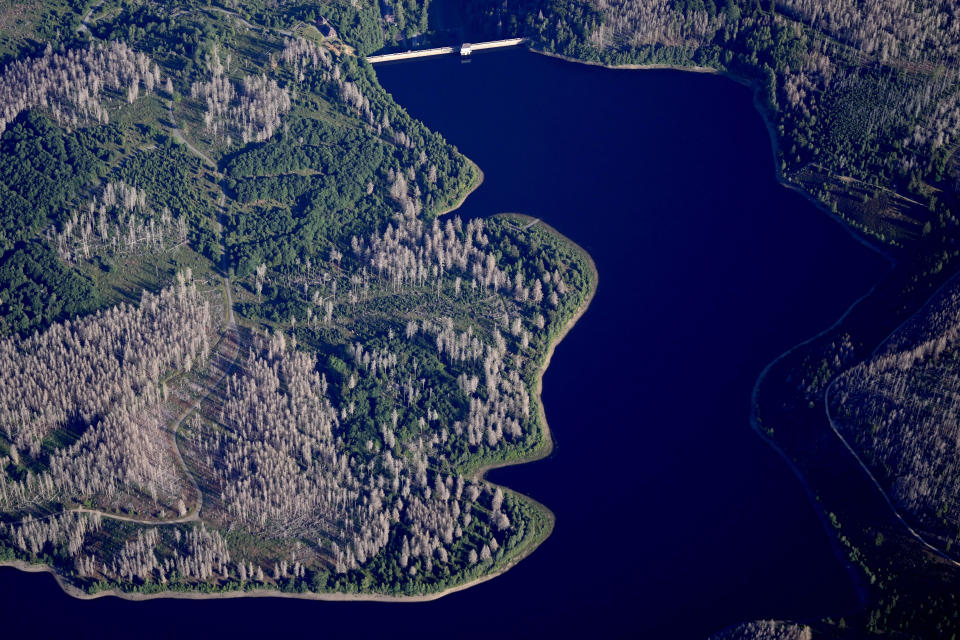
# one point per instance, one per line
(245, 347)
(248, 348)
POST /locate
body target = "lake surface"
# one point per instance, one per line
(674, 519)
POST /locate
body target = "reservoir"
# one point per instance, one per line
(674, 519)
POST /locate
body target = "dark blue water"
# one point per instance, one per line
(674, 519)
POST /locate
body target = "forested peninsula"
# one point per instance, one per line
(247, 348)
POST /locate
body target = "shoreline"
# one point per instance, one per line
(819, 509)
(136, 596)
(634, 66)
(477, 474)
(547, 447)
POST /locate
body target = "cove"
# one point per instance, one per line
(674, 519)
